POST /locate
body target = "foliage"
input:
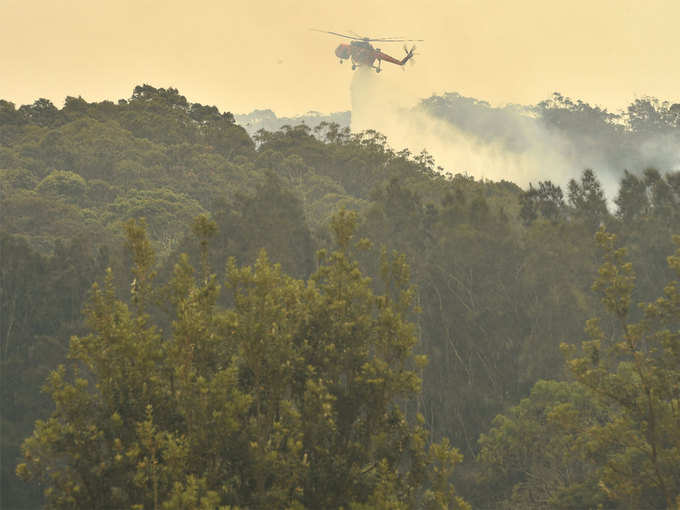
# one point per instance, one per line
(635, 369)
(547, 199)
(40, 302)
(587, 199)
(611, 437)
(290, 399)
(533, 457)
(501, 275)
(64, 184)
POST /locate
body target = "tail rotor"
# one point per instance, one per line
(410, 53)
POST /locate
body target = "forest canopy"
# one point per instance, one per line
(499, 291)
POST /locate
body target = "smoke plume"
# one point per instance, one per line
(512, 143)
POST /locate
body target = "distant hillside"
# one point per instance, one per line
(267, 119)
(561, 134)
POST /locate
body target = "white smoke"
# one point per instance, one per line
(536, 154)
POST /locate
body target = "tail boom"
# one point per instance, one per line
(384, 56)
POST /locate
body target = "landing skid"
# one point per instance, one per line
(377, 68)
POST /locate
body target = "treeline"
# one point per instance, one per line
(645, 134)
(501, 277)
(267, 120)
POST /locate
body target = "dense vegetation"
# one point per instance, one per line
(501, 278)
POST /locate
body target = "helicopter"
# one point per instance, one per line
(362, 53)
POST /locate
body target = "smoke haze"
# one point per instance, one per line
(555, 140)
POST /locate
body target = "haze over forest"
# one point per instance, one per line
(338, 289)
(554, 139)
(475, 380)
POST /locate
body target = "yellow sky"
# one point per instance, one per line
(243, 54)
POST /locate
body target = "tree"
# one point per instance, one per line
(528, 203)
(532, 457)
(632, 201)
(651, 116)
(292, 398)
(41, 112)
(634, 368)
(40, 301)
(547, 199)
(610, 437)
(663, 202)
(67, 185)
(587, 199)
(271, 218)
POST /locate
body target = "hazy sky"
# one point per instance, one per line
(241, 55)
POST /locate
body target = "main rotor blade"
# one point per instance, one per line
(339, 35)
(391, 39)
(367, 39)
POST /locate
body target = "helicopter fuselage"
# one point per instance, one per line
(361, 53)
